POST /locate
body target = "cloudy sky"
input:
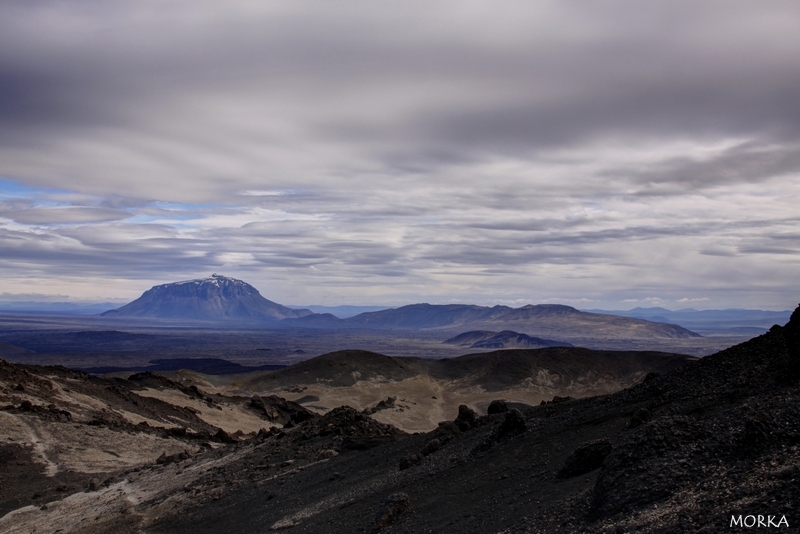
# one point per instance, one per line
(599, 154)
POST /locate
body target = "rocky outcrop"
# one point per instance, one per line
(393, 507)
(586, 458)
(279, 410)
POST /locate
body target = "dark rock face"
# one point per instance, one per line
(791, 333)
(431, 447)
(209, 299)
(166, 459)
(756, 434)
(279, 410)
(497, 406)
(467, 418)
(641, 415)
(394, 506)
(586, 458)
(408, 461)
(354, 430)
(387, 404)
(513, 424)
(647, 468)
(224, 437)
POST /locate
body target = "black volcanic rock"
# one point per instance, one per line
(209, 299)
(497, 406)
(279, 410)
(392, 508)
(586, 458)
(467, 418)
(791, 333)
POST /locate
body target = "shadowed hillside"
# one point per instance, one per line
(507, 339)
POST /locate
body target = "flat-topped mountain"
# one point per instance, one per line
(209, 299)
(545, 320)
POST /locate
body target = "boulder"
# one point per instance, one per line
(393, 507)
(586, 458)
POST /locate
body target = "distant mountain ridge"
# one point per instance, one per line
(210, 299)
(219, 298)
(729, 320)
(433, 315)
(541, 320)
(56, 308)
(341, 312)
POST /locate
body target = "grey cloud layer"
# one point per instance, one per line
(455, 150)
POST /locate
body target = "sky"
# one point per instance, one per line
(605, 154)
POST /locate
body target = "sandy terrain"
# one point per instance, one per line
(427, 392)
(232, 417)
(422, 401)
(127, 505)
(76, 447)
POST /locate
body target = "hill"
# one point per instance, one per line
(208, 299)
(507, 339)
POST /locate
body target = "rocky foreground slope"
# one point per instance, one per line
(681, 451)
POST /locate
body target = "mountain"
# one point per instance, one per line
(507, 339)
(726, 321)
(542, 320)
(209, 299)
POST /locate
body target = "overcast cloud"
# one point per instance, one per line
(603, 154)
